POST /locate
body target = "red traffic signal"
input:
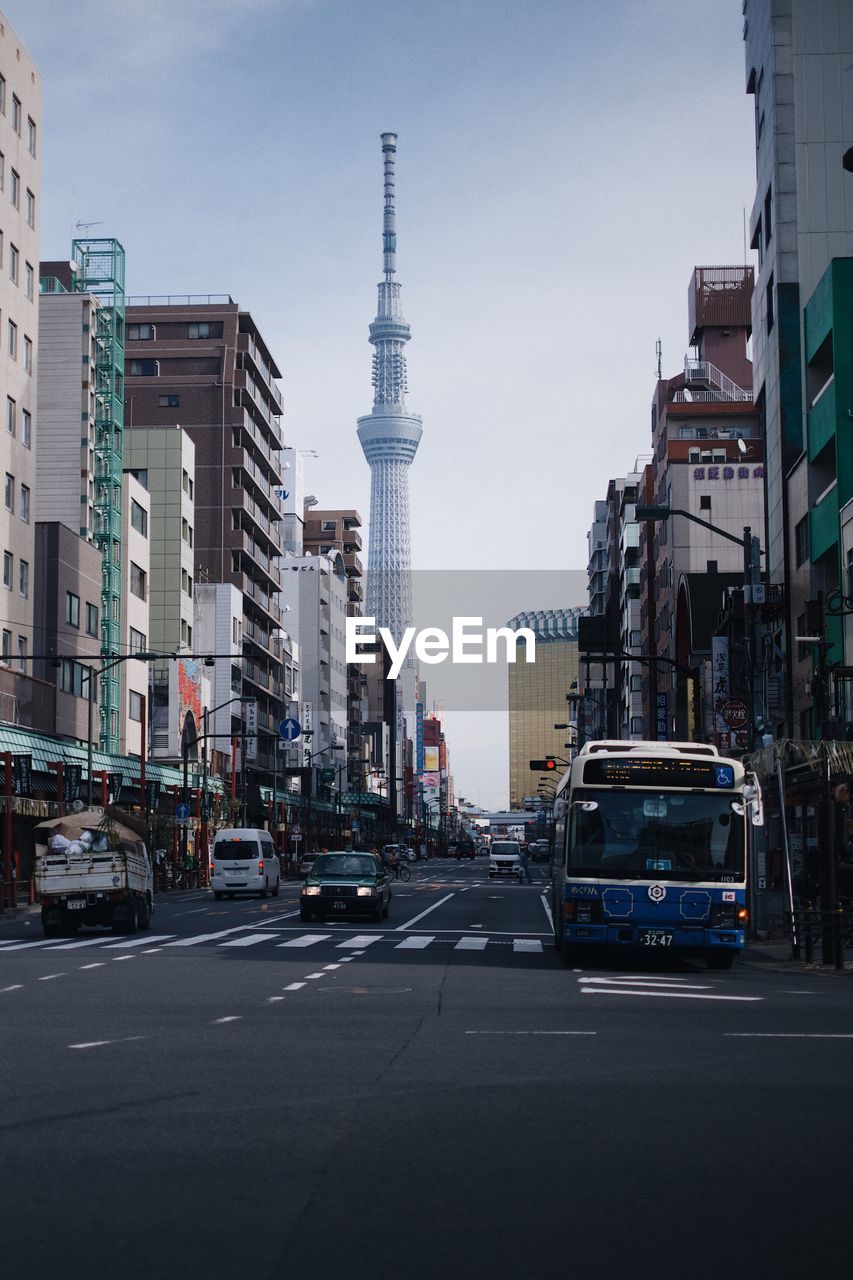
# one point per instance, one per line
(543, 766)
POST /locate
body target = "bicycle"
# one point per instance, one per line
(402, 872)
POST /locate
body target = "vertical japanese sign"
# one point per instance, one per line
(306, 720)
(250, 711)
(720, 690)
(662, 717)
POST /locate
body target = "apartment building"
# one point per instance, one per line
(20, 124)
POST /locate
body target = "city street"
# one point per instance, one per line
(237, 1093)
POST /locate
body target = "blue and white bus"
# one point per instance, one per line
(651, 850)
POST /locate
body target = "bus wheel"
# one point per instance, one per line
(721, 959)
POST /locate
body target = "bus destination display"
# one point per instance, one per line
(640, 771)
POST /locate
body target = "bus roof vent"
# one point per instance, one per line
(617, 747)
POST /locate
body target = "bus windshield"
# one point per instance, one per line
(651, 834)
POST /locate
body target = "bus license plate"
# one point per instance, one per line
(654, 938)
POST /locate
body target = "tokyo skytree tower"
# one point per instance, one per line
(389, 436)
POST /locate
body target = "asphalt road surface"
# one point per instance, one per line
(237, 1094)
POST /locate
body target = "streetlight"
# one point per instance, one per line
(751, 571)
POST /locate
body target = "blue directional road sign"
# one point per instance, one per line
(182, 812)
(290, 729)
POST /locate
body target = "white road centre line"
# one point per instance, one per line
(234, 1017)
(97, 1044)
(346, 959)
(294, 986)
(306, 940)
(648, 982)
(47, 977)
(15, 987)
(787, 1035)
(362, 940)
(274, 999)
(670, 995)
(402, 927)
(99, 964)
(472, 944)
(531, 1033)
(250, 940)
(331, 966)
(117, 958)
(527, 944)
(414, 943)
(139, 942)
(314, 975)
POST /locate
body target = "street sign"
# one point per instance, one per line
(327, 775)
(296, 831)
(182, 812)
(733, 713)
(290, 729)
(356, 825)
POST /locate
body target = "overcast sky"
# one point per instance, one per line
(562, 167)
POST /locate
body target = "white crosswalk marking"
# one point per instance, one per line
(306, 940)
(471, 944)
(414, 944)
(94, 940)
(250, 940)
(25, 946)
(362, 940)
(526, 944)
(198, 938)
(141, 942)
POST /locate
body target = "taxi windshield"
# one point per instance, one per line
(343, 864)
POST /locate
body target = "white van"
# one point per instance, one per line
(505, 859)
(244, 861)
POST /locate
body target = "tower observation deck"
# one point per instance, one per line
(389, 436)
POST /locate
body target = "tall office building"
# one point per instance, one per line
(202, 364)
(20, 120)
(797, 53)
(389, 436)
(537, 696)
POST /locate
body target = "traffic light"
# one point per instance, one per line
(543, 766)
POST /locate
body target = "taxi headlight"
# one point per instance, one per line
(311, 890)
(365, 891)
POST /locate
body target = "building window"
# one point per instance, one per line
(138, 642)
(91, 620)
(24, 578)
(10, 492)
(8, 569)
(139, 518)
(25, 503)
(186, 583)
(22, 653)
(7, 646)
(144, 368)
(2, 171)
(141, 474)
(186, 532)
(187, 484)
(705, 502)
(138, 581)
(26, 428)
(31, 209)
(186, 634)
(169, 402)
(141, 332)
(72, 609)
(31, 135)
(134, 709)
(711, 566)
(801, 540)
(73, 677)
(13, 340)
(29, 280)
(329, 526)
(11, 415)
(14, 259)
(15, 189)
(768, 215)
(28, 354)
(17, 117)
(3, 95)
(770, 308)
(201, 330)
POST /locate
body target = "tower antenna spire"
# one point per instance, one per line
(389, 221)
